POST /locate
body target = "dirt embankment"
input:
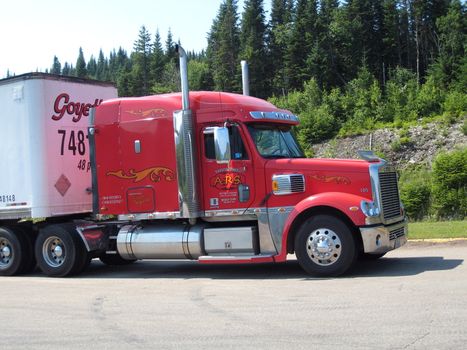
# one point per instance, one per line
(416, 145)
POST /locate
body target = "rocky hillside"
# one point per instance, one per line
(415, 145)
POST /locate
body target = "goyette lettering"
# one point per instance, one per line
(63, 105)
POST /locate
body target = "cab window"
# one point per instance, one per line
(237, 147)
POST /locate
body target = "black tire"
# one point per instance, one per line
(14, 252)
(325, 246)
(84, 264)
(29, 264)
(60, 251)
(370, 257)
(114, 260)
(83, 259)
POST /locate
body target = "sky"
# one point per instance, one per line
(33, 31)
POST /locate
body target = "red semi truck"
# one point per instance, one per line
(209, 176)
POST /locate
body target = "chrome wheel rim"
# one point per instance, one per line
(323, 246)
(53, 251)
(6, 253)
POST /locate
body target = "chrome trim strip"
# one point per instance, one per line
(266, 242)
(274, 116)
(277, 217)
(171, 215)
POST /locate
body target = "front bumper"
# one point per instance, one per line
(381, 239)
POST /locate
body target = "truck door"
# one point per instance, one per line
(227, 187)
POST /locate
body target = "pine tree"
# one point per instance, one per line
(312, 36)
(405, 36)
(56, 66)
(277, 39)
(81, 71)
(366, 17)
(337, 45)
(158, 59)
(141, 63)
(424, 16)
(252, 47)
(296, 55)
(392, 54)
(223, 47)
(66, 71)
(101, 69)
(170, 54)
(91, 67)
(451, 66)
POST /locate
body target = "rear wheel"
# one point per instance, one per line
(60, 251)
(16, 254)
(324, 246)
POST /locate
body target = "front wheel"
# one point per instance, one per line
(324, 246)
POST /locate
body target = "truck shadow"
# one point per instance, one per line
(384, 267)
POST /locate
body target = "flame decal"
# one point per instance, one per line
(155, 174)
(340, 180)
(154, 112)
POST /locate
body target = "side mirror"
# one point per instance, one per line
(222, 144)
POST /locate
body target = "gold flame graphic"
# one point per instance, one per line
(336, 179)
(154, 112)
(155, 174)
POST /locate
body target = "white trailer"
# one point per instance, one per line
(44, 157)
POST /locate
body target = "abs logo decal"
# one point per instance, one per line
(227, 181)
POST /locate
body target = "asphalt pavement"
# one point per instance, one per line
(413, 298)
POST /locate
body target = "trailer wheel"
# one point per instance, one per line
(13, 252)
(324, 246)
(59, 251)
(114, 259)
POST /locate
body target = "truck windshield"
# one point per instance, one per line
(275, 141)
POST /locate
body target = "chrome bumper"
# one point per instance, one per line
(381, 239)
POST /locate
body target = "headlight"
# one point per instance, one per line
(370, 208)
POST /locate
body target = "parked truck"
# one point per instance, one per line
(209, 176)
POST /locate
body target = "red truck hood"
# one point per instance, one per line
(319, 164)
(322, 175)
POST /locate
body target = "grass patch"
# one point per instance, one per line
(440, 229)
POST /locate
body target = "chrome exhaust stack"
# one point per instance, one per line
(184, 77)
(245, 78)
(185, 147)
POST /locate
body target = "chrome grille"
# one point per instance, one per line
(390, 200)
(396, 233)
(289, 183)
(297, 183)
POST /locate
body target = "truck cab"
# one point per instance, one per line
(238, 178)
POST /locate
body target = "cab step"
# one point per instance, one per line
(238, 259)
